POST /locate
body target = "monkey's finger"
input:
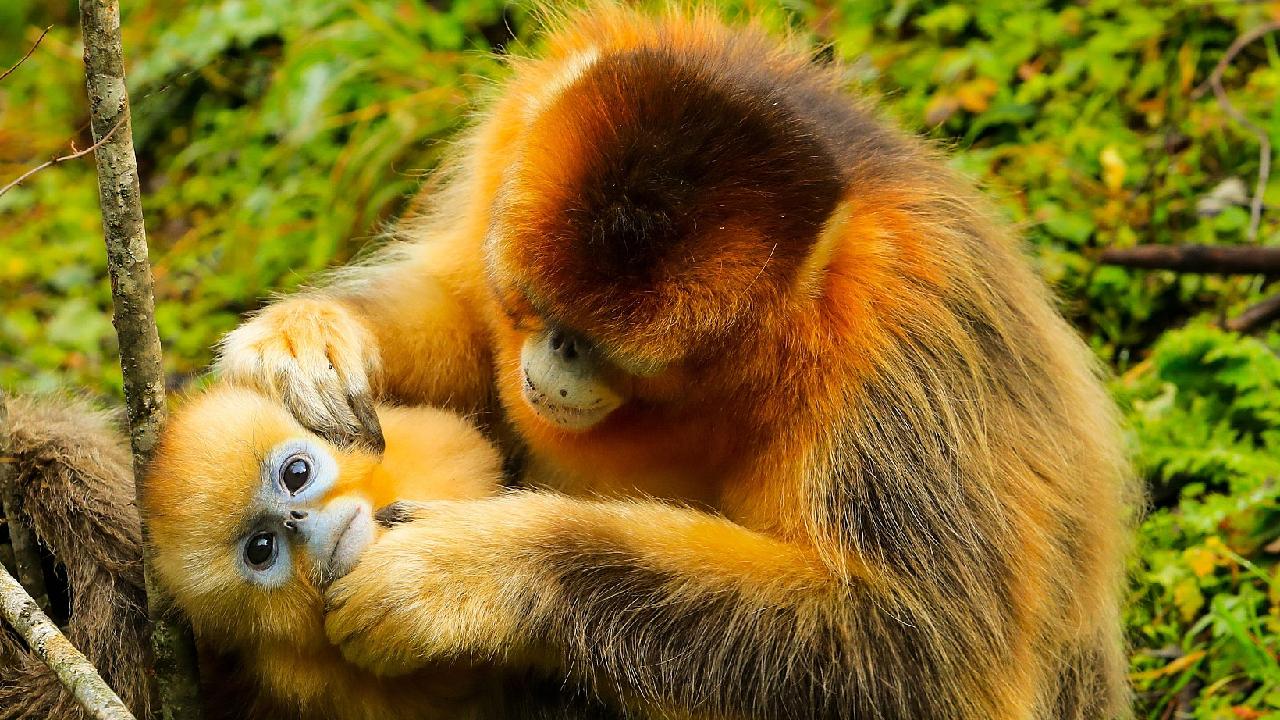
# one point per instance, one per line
(356, 372)
(367, 420)
(399, 513)
(313, 394)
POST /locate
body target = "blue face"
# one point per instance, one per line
(292, 515)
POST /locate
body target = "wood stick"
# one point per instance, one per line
(133, 315)
(1225, 259)
(1255, 316)
(51, 646)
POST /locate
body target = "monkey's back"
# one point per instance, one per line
(945, 422)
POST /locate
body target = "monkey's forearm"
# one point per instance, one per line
(669, 606)
(428, 330)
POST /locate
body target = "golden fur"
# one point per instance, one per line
(865, 469)
(198, 494)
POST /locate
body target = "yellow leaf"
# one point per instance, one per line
(1201, 561)
(940, 108)
(975, 95)
(1188, 598)
(1186, 68)
(1173, 667)
(1113, 168)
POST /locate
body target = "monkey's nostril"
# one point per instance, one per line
(557, 339)
(291, 526)
(570, 350)
(298, 514)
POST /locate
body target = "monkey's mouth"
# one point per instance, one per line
(573, 418)
(350, 541)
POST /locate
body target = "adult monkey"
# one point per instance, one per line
(823, 446)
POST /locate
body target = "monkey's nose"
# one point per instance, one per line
(296, 517)
(564, 346)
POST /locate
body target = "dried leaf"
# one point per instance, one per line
(1114, 168)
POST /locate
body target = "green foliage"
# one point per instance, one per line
(278, 137)
(1205, 613)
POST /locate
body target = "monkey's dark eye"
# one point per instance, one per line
(295, 473)
(260, 550)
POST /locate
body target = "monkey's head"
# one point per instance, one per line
(656, 206)
(251, 516)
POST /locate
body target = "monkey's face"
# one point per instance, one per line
(650, 215)
(251, 516)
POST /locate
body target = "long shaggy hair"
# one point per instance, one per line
(75, 488)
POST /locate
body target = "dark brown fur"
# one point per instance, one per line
(76, 488)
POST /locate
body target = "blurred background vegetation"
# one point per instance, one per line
(278, 137)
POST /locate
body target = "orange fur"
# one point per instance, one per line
(198, 495)
(863, 469)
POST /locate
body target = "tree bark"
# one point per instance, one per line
(50, 645)
(1256, 316)
(134, 318)
(1224, 259)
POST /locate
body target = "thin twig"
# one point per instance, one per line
(1264, 141)
(76, 154)
(1256, 316)
(51, 646)
(34, 45)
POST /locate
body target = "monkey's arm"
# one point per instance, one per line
(670, 606)
(404, 327)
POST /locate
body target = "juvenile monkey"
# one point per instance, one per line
(251, 516)
(823, 447)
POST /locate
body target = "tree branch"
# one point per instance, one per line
(1256, 316)
(1264, 141)
(52, 647)
(75, 154)
(1225, 259)
(34, 45)
(133, 315)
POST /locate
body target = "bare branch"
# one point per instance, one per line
(1256, 316)
(34, 45)
(75, 154)
(1264, 141)
(1224, 259)
(51, 646)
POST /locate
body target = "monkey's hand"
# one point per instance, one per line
(439, 586)
(317, 357)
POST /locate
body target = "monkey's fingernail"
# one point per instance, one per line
(298, 514)
(369, 433)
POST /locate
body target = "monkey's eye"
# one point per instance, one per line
(260, 551)
(295, 473)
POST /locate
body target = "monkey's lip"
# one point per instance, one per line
(349, 543)
(565, 417)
